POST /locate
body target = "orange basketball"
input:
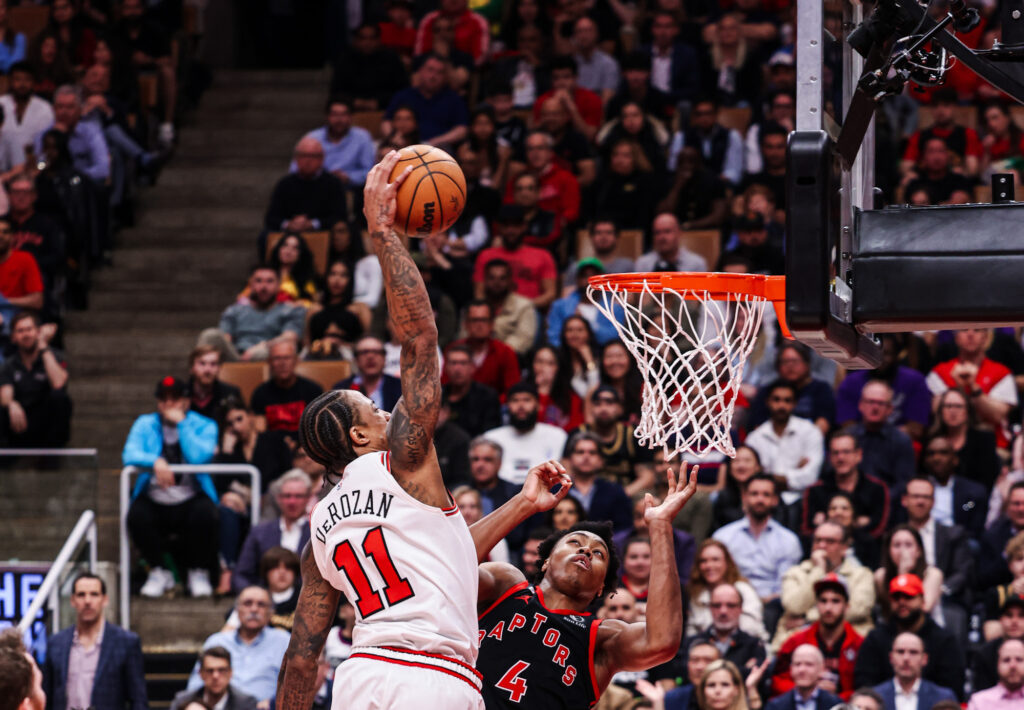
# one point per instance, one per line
(432, 197)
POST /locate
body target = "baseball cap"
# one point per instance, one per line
(606, 389)
(521, 387)
(834, 582)
(170, 386)
(781, 58)
(909, 584)
(1014, 600)
(591, 261)
(510, 214)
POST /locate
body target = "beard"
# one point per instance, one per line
(525, 423)
(910, 620)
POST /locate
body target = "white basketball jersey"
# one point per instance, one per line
(408, 568)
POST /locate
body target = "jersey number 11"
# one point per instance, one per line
(396, 588)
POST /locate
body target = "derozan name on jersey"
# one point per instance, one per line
(353, 503)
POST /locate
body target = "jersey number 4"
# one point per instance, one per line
(512, 683)
(368, 601)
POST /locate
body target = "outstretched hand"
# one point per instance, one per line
(539, 482)
(379, 196)
(678, 493)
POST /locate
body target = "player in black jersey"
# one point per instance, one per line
(541, 649)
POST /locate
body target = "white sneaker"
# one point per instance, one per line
(158, 583)
(199, 583)
(166, 134)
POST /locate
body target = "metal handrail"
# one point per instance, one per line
(214, 469)
(64, 453)
(84, 528)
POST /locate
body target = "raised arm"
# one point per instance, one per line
(314, 615)
(411, 428)
(645, 644)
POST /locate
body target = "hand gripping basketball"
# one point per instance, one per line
(379, 196)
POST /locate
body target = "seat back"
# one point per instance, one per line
(319, 244)
(246, 376)
(325, 373)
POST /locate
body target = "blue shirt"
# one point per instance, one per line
(88, 147)
(254, 665)
(13, 53)
(762, 560)
(437, 115)
(353, 154)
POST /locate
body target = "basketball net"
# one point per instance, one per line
(691, 346)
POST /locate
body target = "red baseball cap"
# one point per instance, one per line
(909, 584)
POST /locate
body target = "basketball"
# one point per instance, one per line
(432, 197)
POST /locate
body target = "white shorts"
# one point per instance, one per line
(394, 679)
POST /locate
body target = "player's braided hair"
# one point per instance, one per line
(323, 432)
(603, 531)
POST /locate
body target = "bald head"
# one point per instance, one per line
(309, 157)
(806, 667)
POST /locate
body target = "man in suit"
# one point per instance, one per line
(699, 655)
(383, 389)
(945, 546)
(217, 692)
(958, 500)
(908, 690)
(806, 668)
(290, 531)
(94, 664)
(944, 658)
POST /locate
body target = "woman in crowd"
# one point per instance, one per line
(634, 125)
(715, 566)
(558, 404)
(75, 37)
(697, 197)
(627, 188)
(618, 369)
(293, 261)
(1003, 141)
(12, 44)
(523, 13)
(493, 151)
(405, 128)
(336, 312)
(996, 596)
(576, 355)
(566, 513)
(636, 567)
(364, 269)
(975, 448)
(728, 506)
(472, 509)
(841, 510)
(903, 553)
(721, 688)
(733, 72)
(243, 443)
(49, 64)
(281, 575)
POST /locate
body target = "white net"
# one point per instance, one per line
(691, 347)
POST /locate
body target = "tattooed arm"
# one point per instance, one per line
(411, 428)
(314, 615)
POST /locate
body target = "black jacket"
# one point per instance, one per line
(742, 648)
(321, 198)
(945, 657)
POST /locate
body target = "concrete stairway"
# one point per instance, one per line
(174, 272)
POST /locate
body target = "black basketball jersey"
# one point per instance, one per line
(535, 657)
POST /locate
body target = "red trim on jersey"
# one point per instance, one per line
(517, 588)
(590, 657)
(456, 661)
(414, 664)
(564, 612)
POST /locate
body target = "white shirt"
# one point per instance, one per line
(801, 441)
(15, 136)
(290, 536)
(661, 71)
(521, 452)
(907, 701)
(928, 540)
(942, 511)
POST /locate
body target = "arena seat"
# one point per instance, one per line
(631, 244)
(319, 244)
(246, 376)
(149, 90)
(706, 242)
(370, 120)
(324, 372)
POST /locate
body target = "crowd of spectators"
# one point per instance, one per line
(866, 543)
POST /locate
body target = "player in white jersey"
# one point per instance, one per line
(389, 535)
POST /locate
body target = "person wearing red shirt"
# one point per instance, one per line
(962, 141)
(399, 31)
(583, 105)
(989, 384)
(831, 634)
(496, 363)
(21, 284)
(559, 188)
(472, 34)
(533, 270)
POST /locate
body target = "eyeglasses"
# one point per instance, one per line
(360, 353)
